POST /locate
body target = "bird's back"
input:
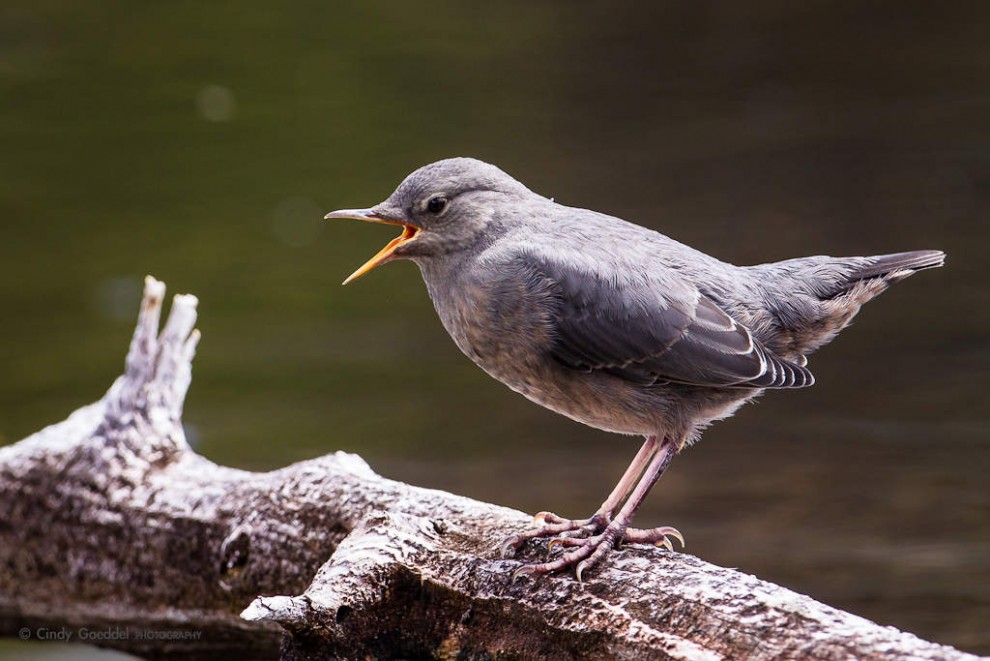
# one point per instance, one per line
(793, 306)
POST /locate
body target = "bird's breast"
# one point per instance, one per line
(499, 327)
(504, 328)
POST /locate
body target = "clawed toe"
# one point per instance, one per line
(550, 525)
(583, 542)
(584, 553)
(656, 536)
(569, 541)
(545, 518)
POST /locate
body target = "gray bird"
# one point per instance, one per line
(612, 324)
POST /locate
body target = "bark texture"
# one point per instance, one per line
(111, 520)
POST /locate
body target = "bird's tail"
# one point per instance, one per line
(862, 278)
(894, 268)
(813, 298)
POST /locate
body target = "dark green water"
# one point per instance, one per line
(202, 142)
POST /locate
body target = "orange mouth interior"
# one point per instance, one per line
(408, 234)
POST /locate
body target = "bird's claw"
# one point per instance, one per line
(523, 571)
(509, 547)
(541, 519)
(655, 536)
(665, 533)
(669, 531)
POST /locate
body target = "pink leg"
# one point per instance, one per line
(550, 524)
(629, 478)
(589, 550)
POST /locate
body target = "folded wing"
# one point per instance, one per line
(653, 330)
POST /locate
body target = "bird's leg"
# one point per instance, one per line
(549, 524)
(626, 482)
(588, 551)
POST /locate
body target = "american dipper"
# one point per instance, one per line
(612, 324)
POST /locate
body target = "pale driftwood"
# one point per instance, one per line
(110, 521)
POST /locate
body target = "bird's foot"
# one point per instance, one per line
(590, 540)
(549, 524)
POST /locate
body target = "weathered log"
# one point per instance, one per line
(114, 529)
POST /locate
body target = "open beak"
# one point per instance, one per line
(409, 233)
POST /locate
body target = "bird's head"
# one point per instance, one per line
(442, 207)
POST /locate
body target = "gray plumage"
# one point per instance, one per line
(612, 324)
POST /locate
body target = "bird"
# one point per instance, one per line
(613, 324)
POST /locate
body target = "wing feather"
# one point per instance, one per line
(649, 331)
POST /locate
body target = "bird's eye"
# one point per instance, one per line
(436, 204)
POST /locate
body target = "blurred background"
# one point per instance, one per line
(203, 142)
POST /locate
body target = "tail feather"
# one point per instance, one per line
(896, 267)
(813, 298)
